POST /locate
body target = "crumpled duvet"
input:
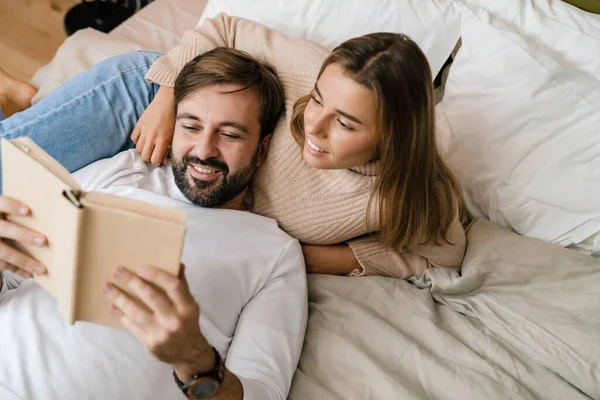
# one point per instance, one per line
(522, 321)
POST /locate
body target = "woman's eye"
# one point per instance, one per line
(344, 126)
(316, 100)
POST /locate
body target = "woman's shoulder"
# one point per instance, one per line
(316, 206)
(287, 54)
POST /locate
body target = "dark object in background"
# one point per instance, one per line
(103, 15)
(437, 82)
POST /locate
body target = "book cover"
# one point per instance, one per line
(88, 233)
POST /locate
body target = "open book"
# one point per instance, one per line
(88, 233)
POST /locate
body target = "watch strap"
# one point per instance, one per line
(217, 373)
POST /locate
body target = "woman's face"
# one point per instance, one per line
(340, 122)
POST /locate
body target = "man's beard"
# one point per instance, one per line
(219, 191)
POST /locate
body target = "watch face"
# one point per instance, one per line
(204, 389)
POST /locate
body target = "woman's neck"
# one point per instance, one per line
(369, 169)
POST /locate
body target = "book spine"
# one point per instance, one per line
(66, 257)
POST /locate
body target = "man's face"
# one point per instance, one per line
(216, 148)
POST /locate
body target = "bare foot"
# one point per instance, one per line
(15, 96)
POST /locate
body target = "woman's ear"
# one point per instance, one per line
(264, 149)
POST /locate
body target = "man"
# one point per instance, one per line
(244, 288)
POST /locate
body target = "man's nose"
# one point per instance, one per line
(207, 146)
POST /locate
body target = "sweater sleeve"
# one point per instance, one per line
(376, 259)
(224, 31)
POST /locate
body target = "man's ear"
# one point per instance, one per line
(264, 149)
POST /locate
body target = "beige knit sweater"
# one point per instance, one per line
(316, 206)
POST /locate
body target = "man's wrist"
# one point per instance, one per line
(202, 362)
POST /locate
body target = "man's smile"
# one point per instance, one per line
(203, 173)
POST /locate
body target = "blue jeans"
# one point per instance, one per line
(92, 115)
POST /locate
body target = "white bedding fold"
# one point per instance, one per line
(383, 338)
(537, 297)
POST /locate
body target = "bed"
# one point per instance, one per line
(522, 319)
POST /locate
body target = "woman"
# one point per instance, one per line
(367, 160)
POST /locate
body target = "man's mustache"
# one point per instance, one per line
(210, 162)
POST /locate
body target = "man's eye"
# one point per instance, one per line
(190, 128)
(229, 136)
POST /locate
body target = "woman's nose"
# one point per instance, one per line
(318, 126)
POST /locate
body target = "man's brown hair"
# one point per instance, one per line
(230, 66)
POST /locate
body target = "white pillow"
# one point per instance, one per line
(522, 117)
(433, 24)
(552, 24)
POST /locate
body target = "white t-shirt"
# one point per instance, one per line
(247, 275)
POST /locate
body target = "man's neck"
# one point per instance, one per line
(236, 204)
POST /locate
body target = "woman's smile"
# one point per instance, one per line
(314, 148)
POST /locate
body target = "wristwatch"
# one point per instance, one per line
(204, 385)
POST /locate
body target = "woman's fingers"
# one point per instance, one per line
(145, 146)
(148, 149)
(135, 135)
(139, 146)
(159, 154)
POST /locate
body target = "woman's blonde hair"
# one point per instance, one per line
(415, 191)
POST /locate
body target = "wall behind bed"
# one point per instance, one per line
(587, 5)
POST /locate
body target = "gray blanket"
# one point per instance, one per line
(522, 322)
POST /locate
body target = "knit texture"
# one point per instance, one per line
(315, 206)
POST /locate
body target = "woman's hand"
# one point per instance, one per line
(11, 259)
(154, 131)
(336, 259)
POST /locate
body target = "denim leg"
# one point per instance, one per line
(92, 115)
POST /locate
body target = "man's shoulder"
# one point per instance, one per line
(254, 227)
(96, 175)
(248, 235)
(269, 229)
(239, 241)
